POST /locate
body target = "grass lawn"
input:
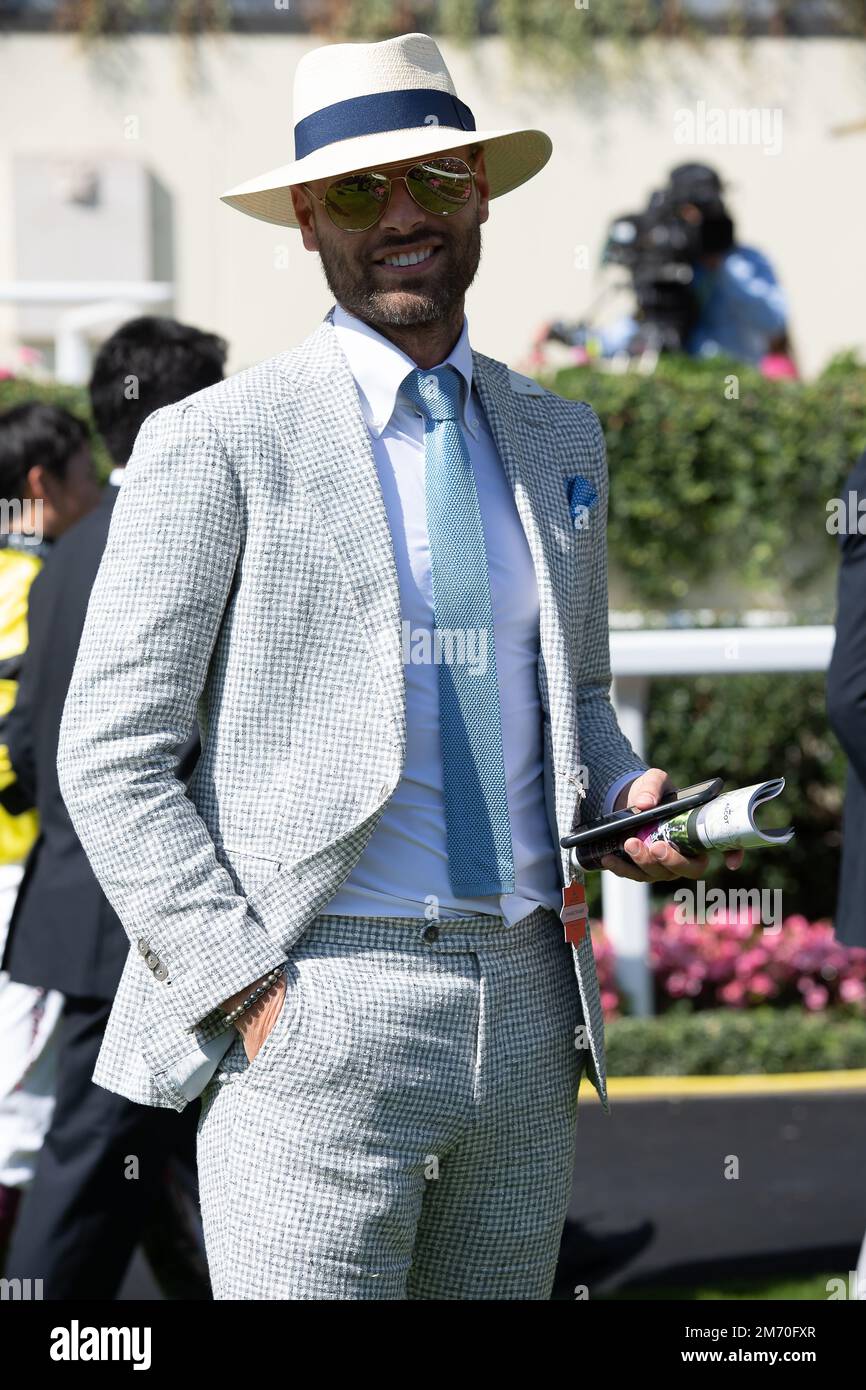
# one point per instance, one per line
(806, 1289)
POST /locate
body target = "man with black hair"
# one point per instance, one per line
(45, 463)
(148, 363)
(47, 482)
(87, 1211)
(346, 935)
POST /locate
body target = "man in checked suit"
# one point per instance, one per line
(374, 566)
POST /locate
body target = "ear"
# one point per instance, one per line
(303, 204)
(482, 183)
(35, 482)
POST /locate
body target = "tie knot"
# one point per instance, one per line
(436, 393)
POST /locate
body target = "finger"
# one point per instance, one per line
(621, 869)
(647, 789)
(681, 865)
(652, 859)
(734, 858)
(651, 870)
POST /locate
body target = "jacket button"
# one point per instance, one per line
(143, 946)
(151, 960)
(431, 933)
(160, 973)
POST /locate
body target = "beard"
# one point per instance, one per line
(352, 283)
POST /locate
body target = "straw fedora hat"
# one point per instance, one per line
(359, 105)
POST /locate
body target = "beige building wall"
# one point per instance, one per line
(204, 118)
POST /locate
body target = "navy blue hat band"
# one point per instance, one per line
(377, 112)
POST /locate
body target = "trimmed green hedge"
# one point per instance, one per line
(731, 1042)
(700, 483)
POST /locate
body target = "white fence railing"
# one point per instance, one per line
(92, 305)
(635, 658)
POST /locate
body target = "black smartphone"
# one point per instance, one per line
(622, 823)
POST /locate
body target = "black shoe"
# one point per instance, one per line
(588, 1259)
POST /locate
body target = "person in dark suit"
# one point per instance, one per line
(100, 1185)
(846, 708)
(47, 482)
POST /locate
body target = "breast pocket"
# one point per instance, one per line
(582, 498)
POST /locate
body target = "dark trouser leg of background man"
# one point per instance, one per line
(100, 1181)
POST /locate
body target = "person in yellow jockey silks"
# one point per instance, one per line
(19, 566)
(47, 482)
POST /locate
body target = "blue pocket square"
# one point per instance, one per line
(581, 497)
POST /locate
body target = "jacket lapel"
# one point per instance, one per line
(324, 434)
(528, 457)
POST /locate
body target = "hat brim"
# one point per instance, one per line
(510, 157)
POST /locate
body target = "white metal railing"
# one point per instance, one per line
(635, 658)
(97, 304)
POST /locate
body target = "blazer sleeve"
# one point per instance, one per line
(152, 621)
(846, 678)
(605, 750)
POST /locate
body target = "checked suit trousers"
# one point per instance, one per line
(407, 1129)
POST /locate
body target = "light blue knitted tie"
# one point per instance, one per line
(480, 854)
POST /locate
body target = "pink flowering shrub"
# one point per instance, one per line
(733, 961)
(604, 965)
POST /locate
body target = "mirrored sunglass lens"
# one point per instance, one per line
(441, 185)
(355, 203)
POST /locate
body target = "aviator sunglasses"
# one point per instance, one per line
(440, 185)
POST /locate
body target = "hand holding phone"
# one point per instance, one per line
(592, 843)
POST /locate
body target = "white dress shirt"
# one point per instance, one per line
(403, 870)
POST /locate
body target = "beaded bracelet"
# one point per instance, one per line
(267, 983)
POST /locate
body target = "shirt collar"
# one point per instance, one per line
(379, 367)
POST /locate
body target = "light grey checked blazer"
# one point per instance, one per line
(249, 580)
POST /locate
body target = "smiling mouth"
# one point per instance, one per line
(408, 260)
